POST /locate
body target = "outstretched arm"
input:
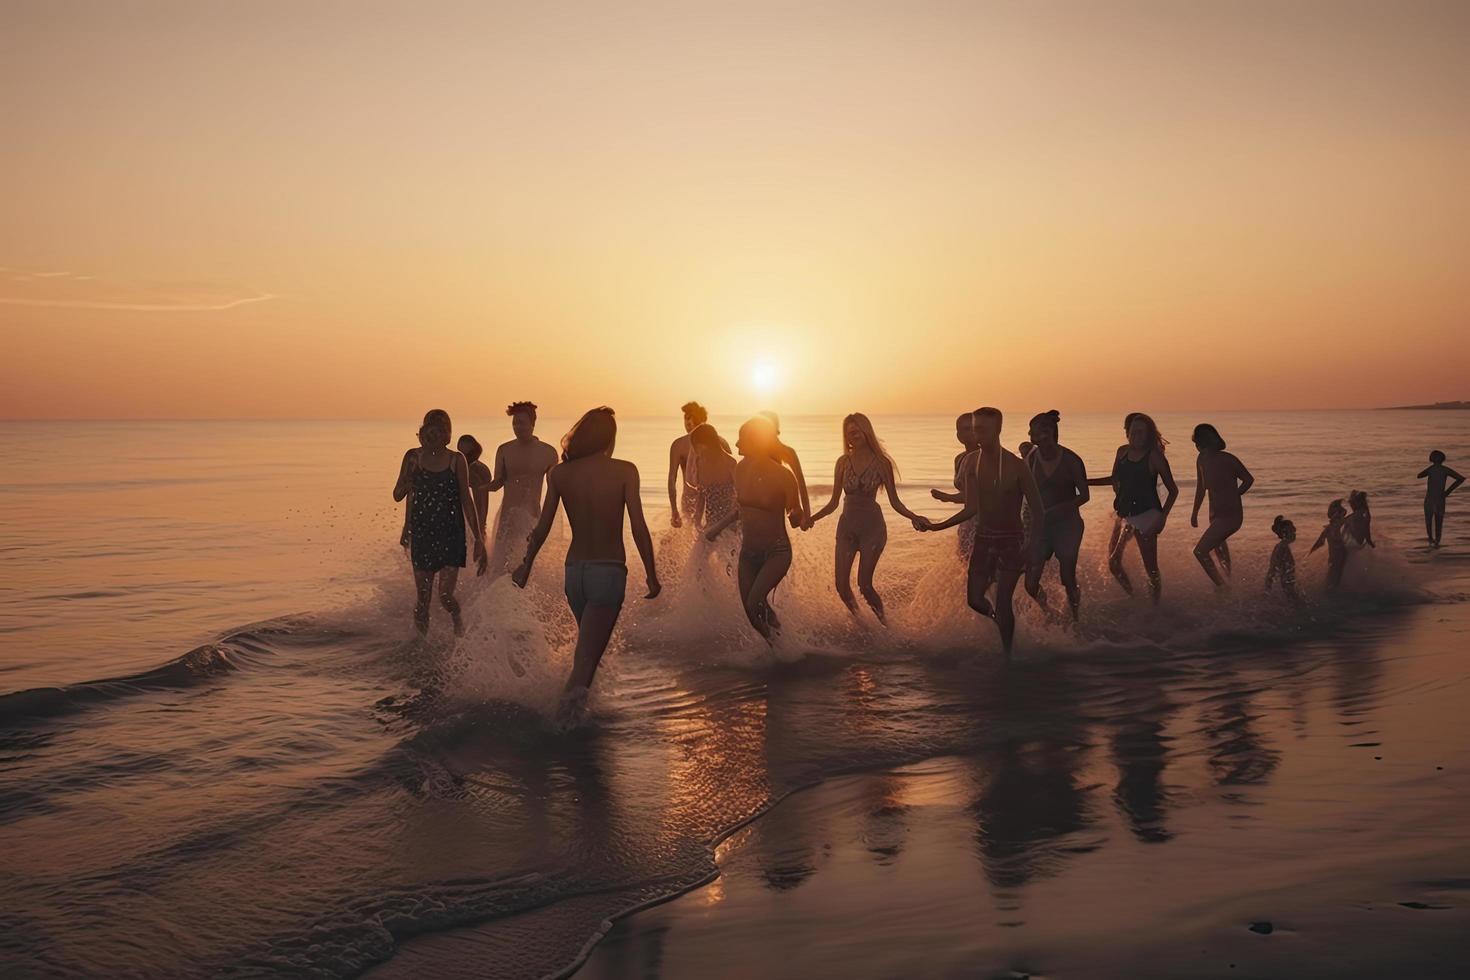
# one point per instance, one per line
(539, 532)
(1423, 473)
(714, 530)
(1321, 538)
(837, 472)
(971, 508)
(806, 503)
(1112, 477)
(641, 538)
(892, 487)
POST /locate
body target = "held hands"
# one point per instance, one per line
(937, 494)
(521, 574)
(922, 523)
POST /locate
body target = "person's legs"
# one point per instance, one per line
(872, 549)
(448, 577)
(1213, 540)
(1067, 540)
(1439, 521)
(1222, 554)
(423, 583)
(1040, 554)
(1005, 613)
(1122, 532)
(1148, 550)
(1429, 520)
(600, 592)
(982, 573)
(771, 572)
(846, 552)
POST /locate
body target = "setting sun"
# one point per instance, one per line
(765, 377)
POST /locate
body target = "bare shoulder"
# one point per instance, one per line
(548, 450)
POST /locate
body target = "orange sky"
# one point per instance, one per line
(358, 209)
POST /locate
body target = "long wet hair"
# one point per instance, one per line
(865, 426)
(1358, 501)
(1156, 438)
(595, 432)
(704, 436)
(1206, 436)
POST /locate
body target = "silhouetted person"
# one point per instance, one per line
(1435, 493)
(1226, 480)
(1332, 537)
(1137, 470)
(786, 456)
(1061, 479)
(710, 469)
(684, 506)
(766, 492)
(521, 466)
(964, 433)
(596, 491)
(1359, 528)
(1283, 563)
(440, 508)
(470, 448)
(861, 471)
(994, 493)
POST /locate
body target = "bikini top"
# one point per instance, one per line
(865, 482)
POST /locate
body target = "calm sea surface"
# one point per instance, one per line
(224, 752)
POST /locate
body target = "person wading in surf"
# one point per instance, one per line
(596, 490)
(994, 494)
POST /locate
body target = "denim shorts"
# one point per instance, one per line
(595, 583)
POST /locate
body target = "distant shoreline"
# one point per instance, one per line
(1437, 406)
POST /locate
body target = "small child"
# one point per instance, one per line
(1332, 537)
(1360, 521)
(1283, 564)
(480, 477)
(1435, 493)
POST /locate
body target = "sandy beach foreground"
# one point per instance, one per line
(1297, 819)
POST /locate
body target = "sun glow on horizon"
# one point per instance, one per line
(765, 377)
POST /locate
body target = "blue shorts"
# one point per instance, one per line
(595, 583)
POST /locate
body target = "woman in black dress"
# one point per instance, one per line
(435, 479)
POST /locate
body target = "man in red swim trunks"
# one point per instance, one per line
(998, 482)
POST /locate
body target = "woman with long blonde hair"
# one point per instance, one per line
(863, 468)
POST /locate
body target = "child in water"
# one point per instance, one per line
(1359, 531)
(1435, 493)
(1283, 565)
(1332, 537)
(470, 448)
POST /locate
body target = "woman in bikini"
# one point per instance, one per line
(711, 471)
(766, 493)
(862, 469)
(1137, 470)
(1061, 478)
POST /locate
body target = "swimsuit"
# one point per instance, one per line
(1061, 528)
(998, 551)
(1137, 499)
(751, 562)
(861, 526)
(595, 583)
(719, 500)
(436, 521)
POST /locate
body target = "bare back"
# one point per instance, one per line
(594, 491)
(1220, 473)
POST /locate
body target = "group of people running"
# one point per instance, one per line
(1018, 511)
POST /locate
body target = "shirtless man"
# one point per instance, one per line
(1226, 479)
(766, 492)
(994, 492)
(695, 414)
(596, 491)
(520, 467)
(964, 433)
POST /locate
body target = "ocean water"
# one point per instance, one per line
(223, 750)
